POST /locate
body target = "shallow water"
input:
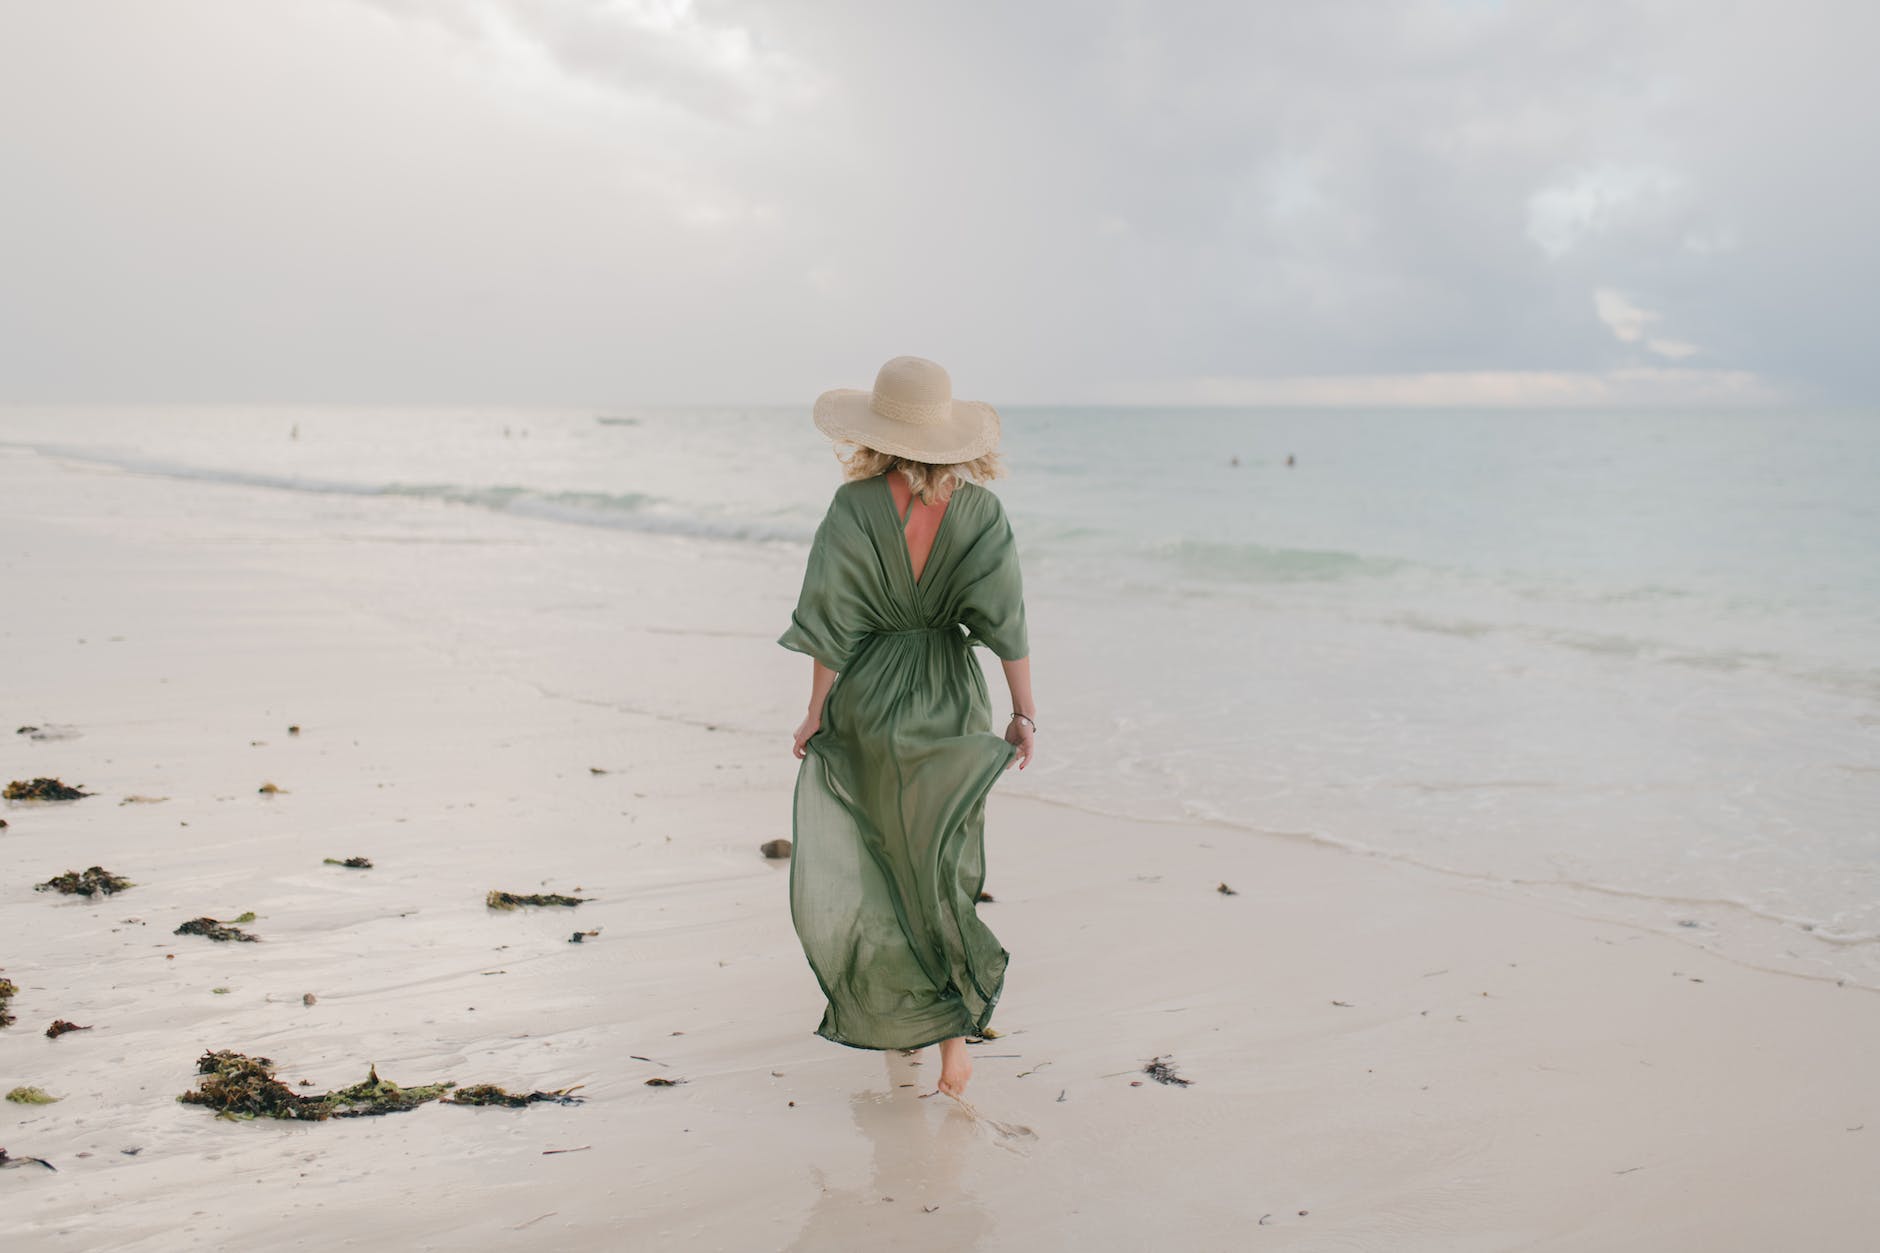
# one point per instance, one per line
(1628, 659)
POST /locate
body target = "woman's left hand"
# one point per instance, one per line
(809, 727)
(1019, 733)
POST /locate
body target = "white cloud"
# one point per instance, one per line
(1590, 202)
(1712, 241)
(649, 51)
(1626, 320)
(1630, 324)
(1647, 386)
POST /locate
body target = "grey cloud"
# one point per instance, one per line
(568, 200)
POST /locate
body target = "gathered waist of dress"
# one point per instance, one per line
(951, 626)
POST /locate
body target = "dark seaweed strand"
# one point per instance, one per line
(238, 1086)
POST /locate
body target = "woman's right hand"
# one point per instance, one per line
(808, 727)
(1020, 734)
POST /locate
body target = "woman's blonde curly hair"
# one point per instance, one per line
(933, 483)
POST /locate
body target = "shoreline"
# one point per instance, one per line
(1415, 1062)
(1556, 895)
(1800, 935)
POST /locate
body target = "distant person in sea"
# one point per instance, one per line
(1289, 459)
(913, 564)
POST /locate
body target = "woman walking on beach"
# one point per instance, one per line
(913, 563)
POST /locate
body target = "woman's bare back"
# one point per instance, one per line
(923, 522)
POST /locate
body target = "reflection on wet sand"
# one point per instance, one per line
(920, 1156)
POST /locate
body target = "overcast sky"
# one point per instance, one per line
(600, 202)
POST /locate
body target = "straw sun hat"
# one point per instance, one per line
(910, 413)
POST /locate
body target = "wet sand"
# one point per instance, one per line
(1381, 1057)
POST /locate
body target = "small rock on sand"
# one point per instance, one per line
(776, 850)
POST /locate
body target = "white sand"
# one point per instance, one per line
(1498, 1077)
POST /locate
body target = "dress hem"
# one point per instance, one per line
(972, 1029)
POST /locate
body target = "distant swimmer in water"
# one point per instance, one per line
(1289, 458)
(1233, 461)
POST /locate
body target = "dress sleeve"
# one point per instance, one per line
(831, 616)
(992, 595)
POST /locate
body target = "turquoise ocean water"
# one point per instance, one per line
(1630, 662)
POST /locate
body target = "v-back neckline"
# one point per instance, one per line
(900, 530)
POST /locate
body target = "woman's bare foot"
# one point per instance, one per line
(956, 1067)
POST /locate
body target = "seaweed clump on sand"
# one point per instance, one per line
(239, 1086)
(509, 900)
(60, 1026)
(31, 1096)
(93, 881)
(13, 1163)
(8, 990)
(216, 930)
(1163, 1071)
(490, 1094)
(351, 863)
(42, 790)
(48, 731)
(373, 1095)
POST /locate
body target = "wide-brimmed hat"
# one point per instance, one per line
(910, 413)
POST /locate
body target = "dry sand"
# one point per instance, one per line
(1381, 1058)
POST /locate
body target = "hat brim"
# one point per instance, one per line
(971, 430)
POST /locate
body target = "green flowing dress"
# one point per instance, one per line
(889, 807)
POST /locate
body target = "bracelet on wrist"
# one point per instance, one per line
(1026, 719)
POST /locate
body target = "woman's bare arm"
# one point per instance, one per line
(1018, 683)
(821, 679)
(1017, 731)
